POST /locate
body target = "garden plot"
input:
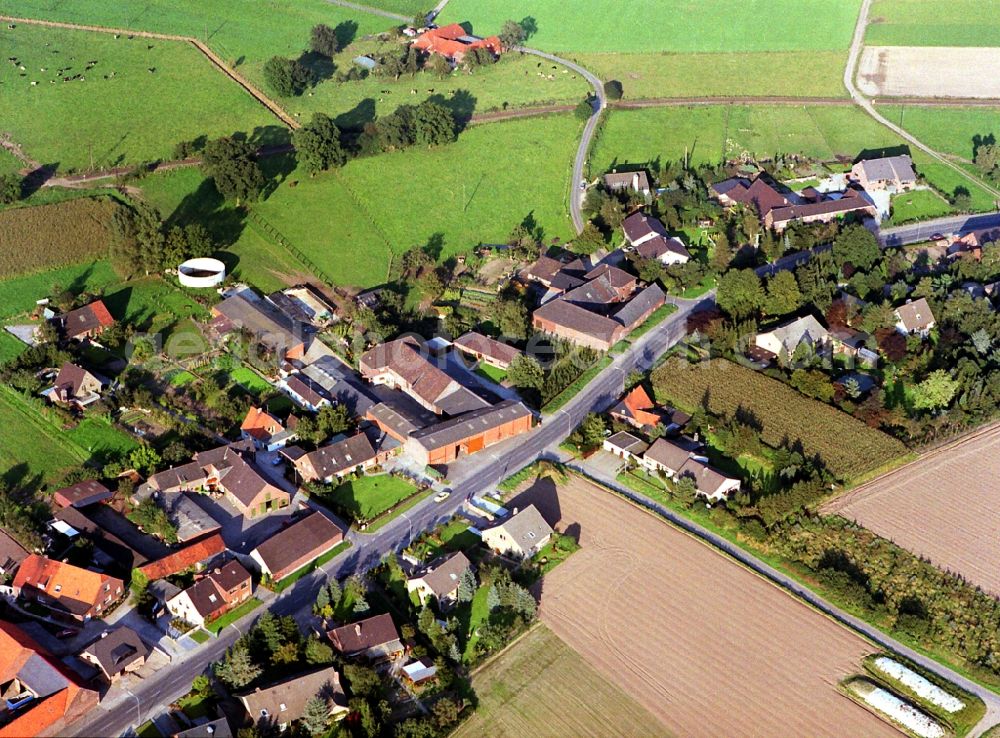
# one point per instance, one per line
(936, 71)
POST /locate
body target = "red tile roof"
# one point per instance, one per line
(261, 424)
(89, 318)
(185, 557)
(450, 41)
(78, 591)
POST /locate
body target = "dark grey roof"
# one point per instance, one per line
(461, 400)
(340, 384)
(341, 456)
(41, 677)
(187, 515)
(470, 424)
(656, 247)
(669, 454)
(248, 311)
(639, 307)
(890, 168)
(402, 414)
(117, 649)
(627, 442)
(639, 225)
(218, 728)
(304, 387)
(12, 553)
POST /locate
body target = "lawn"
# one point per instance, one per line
(492, 373)
(152, 304)
(377, 207)
(32, 453)
(18, 295)
(540, 686)
(10, 347)
(934, 23)
(370, 496)
(223, 621)
(181, 378)
(918, 205)
(135, 115)
(668, 25)
(473, 615)
(710, 133)
(199, 636)
(250, 380)
(669, 74)
(658, 316)
(103, 441)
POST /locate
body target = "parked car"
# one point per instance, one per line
(442, 496)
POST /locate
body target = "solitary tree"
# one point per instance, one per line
(323, 40)
(584, 109)
(317, 144)
(613, 89)
(237, 669)
(466, 586)
(512, 34)
(287, 77)
(232, 165)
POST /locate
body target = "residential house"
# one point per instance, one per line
(81, 494)
(219, 591)
(305, 392)
(638, 410)
(283, 702)
(40, 696)
(469, 433)
(670, 456)
(75, 386)
(522, 535)
(193, 555)
(264, 430)
(299, 544)
(67, 590)
(830, 208)
(331, 463)
(440, 579)
(890, 173)
(638, 182)
(639, 228)
(915, 318)
(760, 194)
(847, 341)
(453, 42)
(487, 350)
(375, 639)
(710, 483)
(88, 321)
(669, 250)
(246, 311)
(625, 445)
(118, 651)
(218, 728)
(12, 554)
(783, 340)
(543, 270)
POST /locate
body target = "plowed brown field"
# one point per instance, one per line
(708, 647)
(944, 506)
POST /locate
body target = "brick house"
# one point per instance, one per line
(67, 590)
(219, 591)
(293, 547)
(88, 321)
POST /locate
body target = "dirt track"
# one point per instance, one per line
(945, 506)
(705, 645)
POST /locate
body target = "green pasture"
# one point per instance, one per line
(668, 25)
(949, 130)
(934, 23)
(117, 111)
(32, 451)
(19, 294)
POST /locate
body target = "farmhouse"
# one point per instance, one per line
(625, 445)
(40, 695)
(400, 416)
(440, 579)
(374, 638)
(81, 494)
(890, 173)
(219, 591)
(638, 182)
(246, 311)
(469, 433)
(577, 324)
(335, 381)
(761, 194)
(283, 702)
(75, 386)
(65, 589)
(783, 340)
(667, 250)
(330, 463)
(523, 535)
(264, 430)
(293, 547)
(304, 304)
(117, 652)
(639, 411)
(543, 271)
(822, 211)
(639, 228)
(12, 554)
(915, 317)
(709, 482)
(487, 350)
(453, 42)
(88, 321)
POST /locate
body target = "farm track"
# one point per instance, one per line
(216, 61)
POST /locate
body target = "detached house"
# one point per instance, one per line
(117, 652)
(375, 639)
(638, 410)
(679, 460)
(331, 463)
(666, 250)
(915, 318)
(523, 535)
(88, 321)
(624, 445)
(440, 579)
(890, 173)
(264, 430)
(284, 702)
(75, 386)
(219, 591)
(710, 483)
(637, 182)
(787, 337)
(65, 589)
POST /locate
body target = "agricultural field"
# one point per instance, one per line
(710, 133)
(18, 294)
(933, 22)
(474, 200)
(541, 687)
(34, 239)
(32, 452)
(950, 130)
(920, 71)
(846, 446)
(942, 506)
(758, 662)
(131, 116)
(672, 25)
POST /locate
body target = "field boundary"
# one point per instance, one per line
(216, 61)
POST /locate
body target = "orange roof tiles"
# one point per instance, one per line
(77, 590)
(261, 424)
(446, 42)
(185, 557)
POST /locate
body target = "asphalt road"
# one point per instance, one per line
(956, 224)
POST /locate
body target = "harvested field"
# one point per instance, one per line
(541, 687)
(943, 506)
(920, 71)
(706, 646)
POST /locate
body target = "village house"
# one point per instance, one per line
(67, 590)
(214, 594)
(782, 341)
(670, 456)
(847, 341)
(118, 651)
(299, 544)
(521, 536)
(625, 446)
(331, 463)
(75, 386)
(469, 433)
(640, 228)
(399, 416)
(830, 208)
(637, 182)
(100, 525)
(40, 695)
(12, 554)
(264, 430)
(283, 702)
(487, 350)
(915, 318)
(439, 580)
(88, 321)
(81, 494)
(192, 556)
(710, 483)
(891, 173)
(375, 639)
(453, 42)
(638, 410)
(304, 392)
(666, 250)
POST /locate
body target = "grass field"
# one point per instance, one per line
(152, 304)
(540, 686)
(710, 133)
(10, 347)
(668, 74)
(948, 130)
(18, 295)
(31, 451)
(249, 379)
(668, 25)
(370, 496)
(9, 163)
(934, 23)
(918, 205)
(101, 439)
(134, 116)
(476, 191)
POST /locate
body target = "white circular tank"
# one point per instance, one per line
(201, 273)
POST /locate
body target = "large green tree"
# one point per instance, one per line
(525, 371)
(740, 293)
(856, 246)
(10, 188)
(935, 392)
(323, 40)
(783, 295)
(287, 77)
(512, 34)
(232, 164)
(433, 124)
(318, 146)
